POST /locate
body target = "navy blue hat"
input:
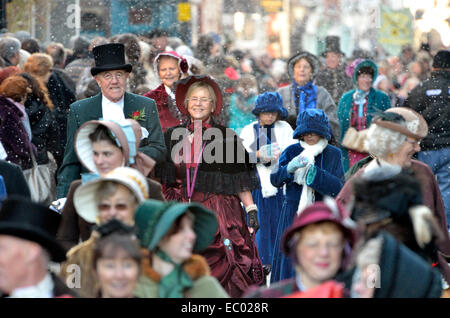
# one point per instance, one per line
(312, 120)
(270, 102)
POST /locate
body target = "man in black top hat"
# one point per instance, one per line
(27, 245)
(333, 77)
(113, 103)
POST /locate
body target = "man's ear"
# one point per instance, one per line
(97, 79)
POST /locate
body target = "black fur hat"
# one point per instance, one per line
(385, 193)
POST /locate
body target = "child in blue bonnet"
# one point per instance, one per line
(265, 139)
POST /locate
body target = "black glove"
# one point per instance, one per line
(253, 219)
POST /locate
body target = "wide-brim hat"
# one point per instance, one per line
(312, 120)
(311, 58)
(83, 145)
(154, 218)
(332, 44)
(270, 102)
(34, 222)
(328, 210)
(416, 125)
(183, 65)
(85, 200)
(108, 57)
(183, 86)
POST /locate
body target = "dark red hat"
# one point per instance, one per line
(183, 86)
(329, 210)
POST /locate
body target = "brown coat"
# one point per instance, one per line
(73, 227)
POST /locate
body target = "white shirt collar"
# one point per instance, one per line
(112, 110)
(44, 289)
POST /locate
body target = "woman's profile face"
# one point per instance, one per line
(199, 104)
(106, 156)
(117, 276)
(404, 155)
(363, 283)
(319, 254)
(179, 245)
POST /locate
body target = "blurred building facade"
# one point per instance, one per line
(277, 27)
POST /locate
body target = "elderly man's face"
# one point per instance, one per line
(113, 84)
(13, 263)
(333, 59)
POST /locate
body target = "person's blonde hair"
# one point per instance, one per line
(107, 189)
(39, 64)
(325, 227)
(196, 86)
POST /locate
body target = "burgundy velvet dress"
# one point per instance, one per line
(169, 115)
(233, 256)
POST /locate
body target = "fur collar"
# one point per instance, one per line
(195, 267)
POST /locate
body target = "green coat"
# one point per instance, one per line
(204, 287)
(91, 109)
(377, 101)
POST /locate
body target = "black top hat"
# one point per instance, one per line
(32, 221)
(108, 57)
(381, 196)
(332, 44)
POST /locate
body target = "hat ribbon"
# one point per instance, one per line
(396, 127)
(88, 177)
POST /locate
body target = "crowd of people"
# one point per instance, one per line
(174, 171)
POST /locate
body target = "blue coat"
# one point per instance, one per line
(328, 180)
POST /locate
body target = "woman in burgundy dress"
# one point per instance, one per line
(207, 163)
(170, 67)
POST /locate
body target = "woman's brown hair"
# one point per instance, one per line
(38, 89)
(15, 87)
